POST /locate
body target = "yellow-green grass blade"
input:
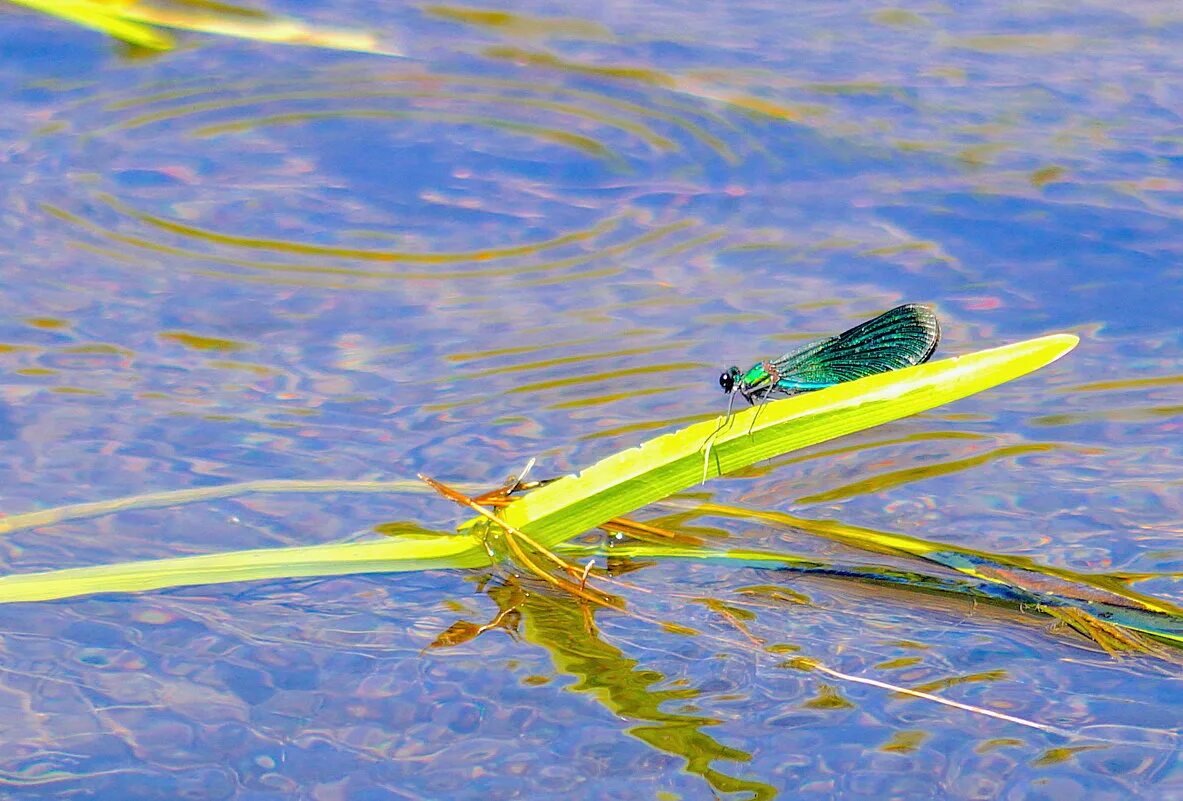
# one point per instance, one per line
(131, 21)
(157, 500)
(223, 19)
(393, 555)
(101, 17)
(634, 478)
(613, 487)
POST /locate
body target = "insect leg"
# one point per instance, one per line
(765, 392)
(706, 456)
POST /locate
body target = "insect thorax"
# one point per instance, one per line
(755, 377)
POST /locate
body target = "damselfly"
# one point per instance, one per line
(905, 336)
(902, 337)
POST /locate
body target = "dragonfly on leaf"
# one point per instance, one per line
(902, 337)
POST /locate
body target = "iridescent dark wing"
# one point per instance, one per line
(902, 337)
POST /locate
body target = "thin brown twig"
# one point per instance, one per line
(595, 596)
(586, 569)
(464, 500)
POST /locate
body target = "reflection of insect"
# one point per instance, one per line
(905, 336)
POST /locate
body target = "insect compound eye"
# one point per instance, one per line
(727, 381)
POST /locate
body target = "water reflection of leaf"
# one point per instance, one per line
(953, 681)
(1120, 623)
(904, 742)
(548, 60)
(774, 593)
(897, 478)
(1018, 43)
(617, 682)
(1015, 571)
(1114, 411)
(509, 597)
(1056, 756)
(196, 342)
(132, 21)
(828, 697)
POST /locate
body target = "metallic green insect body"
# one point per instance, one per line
(904, 336)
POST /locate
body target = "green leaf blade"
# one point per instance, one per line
(617, 485)
(631, 479)
(390, 555)
(104, 19)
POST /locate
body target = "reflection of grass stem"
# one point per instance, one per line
(611, 602)
(284, 559)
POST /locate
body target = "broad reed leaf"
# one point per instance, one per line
(634, 478)
(131, 21)
(390, 555)
(614, 487)
(99, 17)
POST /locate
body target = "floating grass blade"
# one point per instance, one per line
(392, 555)
(132, 21)
(1114, 638)
(634, 478)
(158, 500)
(614, 487)
(1115, 626)
(100, 18)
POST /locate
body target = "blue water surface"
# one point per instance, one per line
(541, 231)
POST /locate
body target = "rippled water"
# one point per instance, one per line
(542, 235)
